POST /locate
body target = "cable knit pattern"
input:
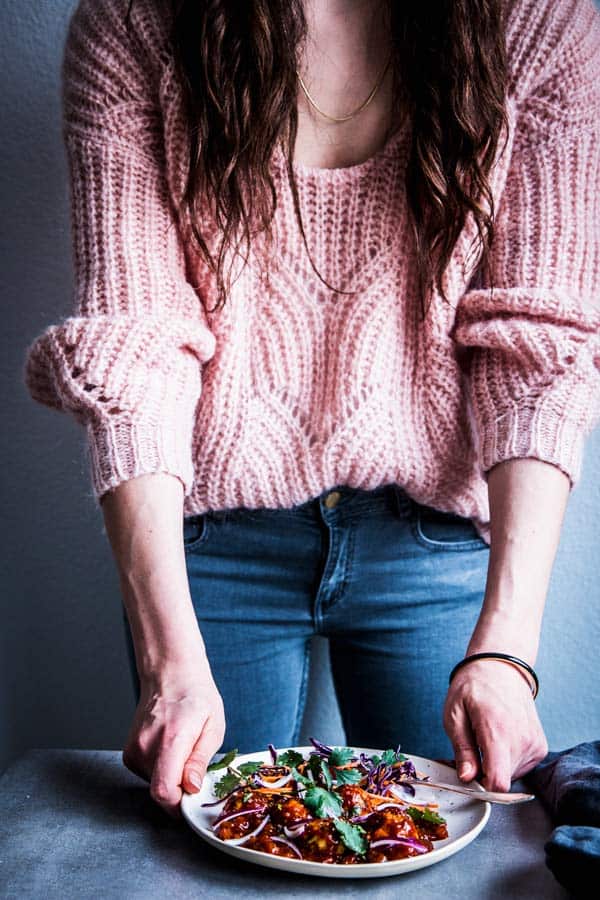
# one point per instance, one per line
(290, 390)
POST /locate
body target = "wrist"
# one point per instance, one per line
(497, 632)
(174, 672)
(474, 662)
(171, 655)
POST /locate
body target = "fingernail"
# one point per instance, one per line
(195, 778)
(464, 769)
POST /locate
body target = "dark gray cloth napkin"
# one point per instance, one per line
(568, 784)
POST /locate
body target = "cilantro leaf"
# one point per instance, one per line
(425, 815)
(301, 779)
(353, 836)
(249, 768)
(290, 758)
(322, 803)
(224, 762)
(319, 769)
(347, 776)
(389, 757)
(226, 784)
(339, 756)
(313, 765)
(326, 772)
(375, 759)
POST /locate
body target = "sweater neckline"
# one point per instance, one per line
(342, 173)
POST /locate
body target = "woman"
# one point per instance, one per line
(373, 432)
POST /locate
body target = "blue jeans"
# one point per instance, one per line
(394, 585)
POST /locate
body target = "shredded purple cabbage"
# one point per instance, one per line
(405, 841)
(322, 749)
(365, 763)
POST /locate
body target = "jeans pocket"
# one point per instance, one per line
(437, 530)
(195, 531)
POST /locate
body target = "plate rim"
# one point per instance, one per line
(310, 867)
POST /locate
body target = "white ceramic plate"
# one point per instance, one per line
(465, 818)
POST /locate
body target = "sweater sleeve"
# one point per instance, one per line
(127, 362)
(533, 333)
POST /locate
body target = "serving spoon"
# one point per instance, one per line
(473, 793)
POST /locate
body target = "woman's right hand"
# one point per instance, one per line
(179, 724)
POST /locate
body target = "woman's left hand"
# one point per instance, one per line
(490, 706)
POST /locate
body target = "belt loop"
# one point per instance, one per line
(402, 500)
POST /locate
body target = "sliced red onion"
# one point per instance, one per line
(293, 831)
(365, 816)
(406, 789)
(216, 802)
(280, 840)
(406, 842)
(223, 799)
(389, 806)
(362, 818)
(273, 753)
(274, 784)
(237, 842)
(236, 815)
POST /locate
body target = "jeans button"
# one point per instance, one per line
(332, 499)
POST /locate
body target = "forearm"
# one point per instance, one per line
(143, 518)
(528, 498)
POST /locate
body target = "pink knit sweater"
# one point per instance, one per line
(285, 393)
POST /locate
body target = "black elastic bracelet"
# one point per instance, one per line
(505, 656)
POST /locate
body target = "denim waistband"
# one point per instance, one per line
(348, 501)
(340, 502)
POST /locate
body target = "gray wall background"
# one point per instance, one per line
(64, 676)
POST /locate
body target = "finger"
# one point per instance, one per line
(134, 766)
(204, 749)
(464, 743)
(165, 785)
(139, 749)
(496, 758)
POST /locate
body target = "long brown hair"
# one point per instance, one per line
(237, 66)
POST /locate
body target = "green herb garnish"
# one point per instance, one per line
(347, 776)
(302, 779)
(324, 804)
(353, 836)
(388, 757)
(235, 776)
(339, 756)
(223, 762)
(226, 784)
(249, 768)
(425, 815)
(290, 758)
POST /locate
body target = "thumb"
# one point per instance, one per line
(464, 743)
(203, 751)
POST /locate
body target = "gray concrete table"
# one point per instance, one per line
(77, 824)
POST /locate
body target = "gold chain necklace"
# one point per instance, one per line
(356, 111)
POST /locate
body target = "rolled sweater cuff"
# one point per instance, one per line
(533, 431)
(119, 451)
